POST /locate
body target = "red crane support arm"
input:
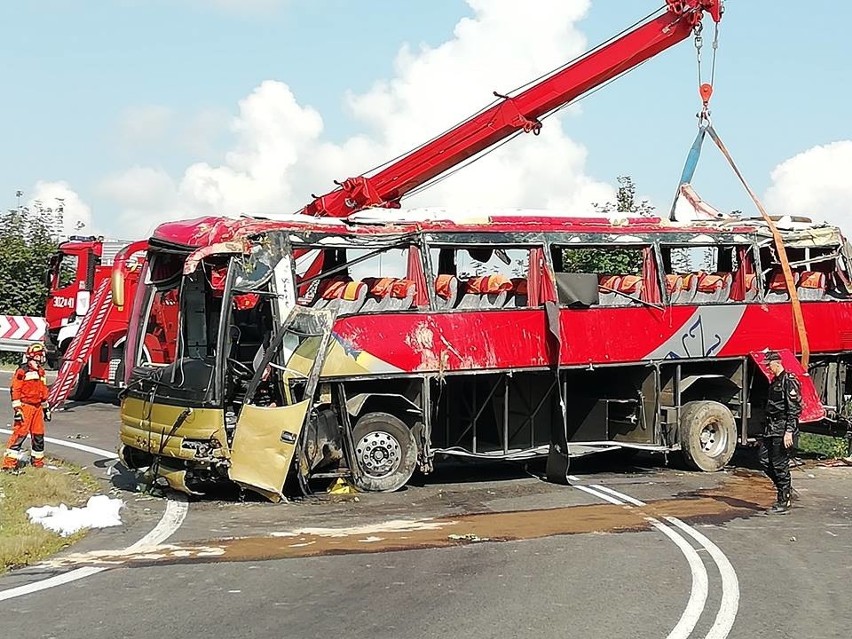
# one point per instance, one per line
(522, 111)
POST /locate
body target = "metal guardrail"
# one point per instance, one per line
(13, 345)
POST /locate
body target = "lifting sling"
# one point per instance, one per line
(686, 178)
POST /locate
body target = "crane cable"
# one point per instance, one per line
(705, 125)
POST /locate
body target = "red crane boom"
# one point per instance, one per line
(520, 112)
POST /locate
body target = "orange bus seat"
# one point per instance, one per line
(682, 288)
(607, 285)
(446, 291)
(811, 285)
(485, 291)
(378, 291)
(776, 290)
(401, 295)
(714, 287)
(630, 287)
(346, 297)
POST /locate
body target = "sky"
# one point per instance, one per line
(136, 112)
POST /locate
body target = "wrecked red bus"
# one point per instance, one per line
(372, 346)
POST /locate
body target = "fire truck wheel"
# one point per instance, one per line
(708, 435)
(386, 452)
(85, 387)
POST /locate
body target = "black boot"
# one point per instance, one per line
(785, 501)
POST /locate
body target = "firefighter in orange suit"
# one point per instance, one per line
(29, 402)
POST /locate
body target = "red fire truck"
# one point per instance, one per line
(77, 270)
(369, 345)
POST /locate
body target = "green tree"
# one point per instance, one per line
(611, 260)
(625, 200)
(25, 249)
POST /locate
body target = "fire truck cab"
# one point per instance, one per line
(75, 271)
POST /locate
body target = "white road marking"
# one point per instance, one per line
(730, 584)
(730, 603)
(176, 509)
(615, 493)
(165, 528)
(61, 442)
(600, 495)
(698, 596)
(700, 582)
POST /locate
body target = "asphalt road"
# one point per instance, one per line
(470, 552)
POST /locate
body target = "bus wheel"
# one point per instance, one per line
(85, 387)
(708, 435)
(385, 451)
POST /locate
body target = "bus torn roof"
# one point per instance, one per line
(204, 231)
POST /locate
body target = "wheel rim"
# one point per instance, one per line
(713, 439)
(379, 453)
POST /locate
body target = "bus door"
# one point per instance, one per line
(278, 401)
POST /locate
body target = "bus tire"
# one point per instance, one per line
(708, 435)
(85, 387)
(385, 451)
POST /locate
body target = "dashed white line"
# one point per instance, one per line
(176, 509)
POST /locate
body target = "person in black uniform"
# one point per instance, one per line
(783, 407)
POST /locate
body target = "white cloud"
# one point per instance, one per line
(77, 215)
(280, 156)
(200, 132)
(145, 125)
(816, 184)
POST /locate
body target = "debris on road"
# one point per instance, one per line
(840, 461)
(341, 487)
(471, 538)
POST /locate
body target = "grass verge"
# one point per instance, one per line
(23, 543)
(822, 445)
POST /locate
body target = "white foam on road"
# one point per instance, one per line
(99, 512)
